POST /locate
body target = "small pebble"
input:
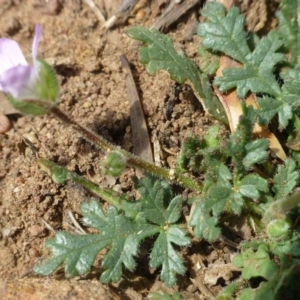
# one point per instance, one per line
(5, 124)
(37, 230)
(33, 252)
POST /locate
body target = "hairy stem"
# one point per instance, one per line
(60, 174)
(132, 160)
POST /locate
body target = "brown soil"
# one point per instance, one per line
(93, 92)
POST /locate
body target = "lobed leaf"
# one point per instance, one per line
(163, 254)
(156, 201)
(224, 33)
(256, 74)
(79, 252)
(289, 28)
(160, 54)
(217, 196)
(256, 152)
(259, 183)
(256, 263)
(285, 179)
(205, 225)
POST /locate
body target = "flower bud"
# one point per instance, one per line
(113, 164)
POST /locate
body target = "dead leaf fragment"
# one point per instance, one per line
(232, 106)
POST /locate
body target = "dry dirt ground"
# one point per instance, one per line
(93, 92)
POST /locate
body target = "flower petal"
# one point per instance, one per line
(36, 41)
(11, 55)
(20, 82)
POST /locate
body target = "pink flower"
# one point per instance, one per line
(17, 77)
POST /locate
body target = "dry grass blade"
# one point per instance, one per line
(173, 12)
(141, 141)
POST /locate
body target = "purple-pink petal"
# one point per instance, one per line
(10, 55)
(36, 41)
(19, 82)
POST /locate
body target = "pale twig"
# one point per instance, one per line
(202, 288)
(124, 8)
(47, 225)
(74, 221)
(96, 10)
(156, 150)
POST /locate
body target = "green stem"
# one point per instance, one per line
(132, 160)
(60, 174)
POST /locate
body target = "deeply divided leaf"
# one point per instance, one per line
(157, 203)
(163, 254)
(122, 234)
(205, 225)
(286, 179)
(160, 54)
(79, 252)
(224, 32)
(256, 74)
(256, 263)
(289, 28)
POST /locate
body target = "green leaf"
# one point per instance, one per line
(256, 264)
(291, 90)
(259, 183)
(229, 291)
(245, 152)
(114, 163)
(174, 210)
(269, 107)
(190, 155)
(224, 174)
(236, 203)
(249, 191)
(217, 198)
(285, 179)
(289, 28)
(160, 54)
(256, 75)
(265, 291)
(205, 225)
(285, 103)
(161, 295)
(224, 33)
(157, 203)
(256, 152)
(163, 254)
(209, 62)
(79, 252)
